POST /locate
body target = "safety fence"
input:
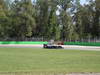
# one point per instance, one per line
(45, 42)
(83, 43)
(22, 42)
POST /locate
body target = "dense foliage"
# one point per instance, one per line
(52, 19)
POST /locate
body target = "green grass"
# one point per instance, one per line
(43, 60)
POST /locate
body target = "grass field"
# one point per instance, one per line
(44, 60)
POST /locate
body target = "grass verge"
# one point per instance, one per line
(36, 60)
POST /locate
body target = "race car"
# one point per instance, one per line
(52, 46)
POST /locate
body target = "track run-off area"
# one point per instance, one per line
(66, 47)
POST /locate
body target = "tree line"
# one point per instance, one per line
(52, 19)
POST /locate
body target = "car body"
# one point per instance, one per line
(53, 46)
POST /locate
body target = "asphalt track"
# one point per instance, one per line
(66, 47)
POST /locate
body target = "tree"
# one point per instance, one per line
(65, 19)
(96, 24)
(46, 18)
(42, 17)
(3, 19)
(54, 29)
(81, 20)
(24, 21)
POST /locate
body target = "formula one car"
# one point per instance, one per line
(52, 46)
